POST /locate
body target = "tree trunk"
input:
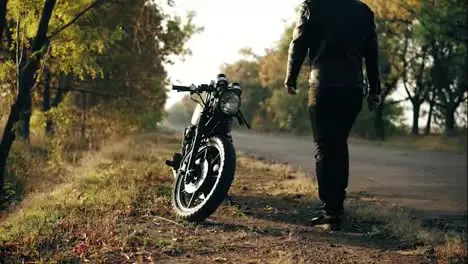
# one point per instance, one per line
(59, 94)
(8, 138)
(22, 62)
(3, 12)
(415, 127)
(26, 82)
(83, 117)
(64, 87)
(450, 121)
(427, 130)
(379, 123)
(46, 101)
(25, 118)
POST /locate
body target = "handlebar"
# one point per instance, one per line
(193, 88)
(180, 88)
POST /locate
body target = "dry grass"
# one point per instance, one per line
(115, 207)
(94, 195)
(452, 251)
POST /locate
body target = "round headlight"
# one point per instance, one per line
(229, 103)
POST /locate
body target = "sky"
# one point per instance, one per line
(228, 27)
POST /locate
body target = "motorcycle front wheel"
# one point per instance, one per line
(197, 194)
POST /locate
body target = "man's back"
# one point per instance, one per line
(337, 34)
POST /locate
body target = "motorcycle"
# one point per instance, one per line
(204, 170)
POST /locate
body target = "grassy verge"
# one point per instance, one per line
(438, 143)
(95, 195)
(115, 207)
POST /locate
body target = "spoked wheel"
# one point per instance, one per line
(198, 193)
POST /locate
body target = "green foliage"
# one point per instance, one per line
(246, 71)
(289, 113)
(392, 120)
(253, 98)
(107, 73)
(445, 20)
(443, 29)
(134, 68)
(67, 126)
(23, 173)
(120, 56)
(9, 196)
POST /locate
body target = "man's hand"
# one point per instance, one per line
(373, 101)
(291, 89)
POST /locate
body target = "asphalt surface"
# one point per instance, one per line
(430, 182)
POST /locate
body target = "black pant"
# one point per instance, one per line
(333, 111)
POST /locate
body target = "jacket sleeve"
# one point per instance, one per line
(298, 47)
(371, 56)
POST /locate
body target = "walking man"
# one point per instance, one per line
(337, 35)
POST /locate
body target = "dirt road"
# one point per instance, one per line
(432, 182)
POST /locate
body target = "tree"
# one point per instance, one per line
(443, 28)
(74, 46)
(415, 81)
(3, 11)
(246, 71)
(25, 83)
(389, 50)
(32, 44)
(133, 69)
(394, 19)
(287, 113)
(89, 62)
(431, 98)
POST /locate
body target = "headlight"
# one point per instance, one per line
(229, 103)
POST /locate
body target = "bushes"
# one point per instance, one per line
(26, 172)
(43, 162)
(364, 125)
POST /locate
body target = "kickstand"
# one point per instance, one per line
(230, 200)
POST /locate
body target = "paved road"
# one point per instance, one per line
(433, 182)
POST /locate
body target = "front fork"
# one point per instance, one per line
(190, 152)
(177, 158)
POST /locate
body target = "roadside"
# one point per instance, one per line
(116, 208)
(433, 143)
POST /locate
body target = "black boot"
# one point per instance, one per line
(334, 222)
(331, 219)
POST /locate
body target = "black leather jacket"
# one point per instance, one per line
(338, 34)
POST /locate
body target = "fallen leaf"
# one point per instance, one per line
(80, 248)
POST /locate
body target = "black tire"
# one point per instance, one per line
(218, 195)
